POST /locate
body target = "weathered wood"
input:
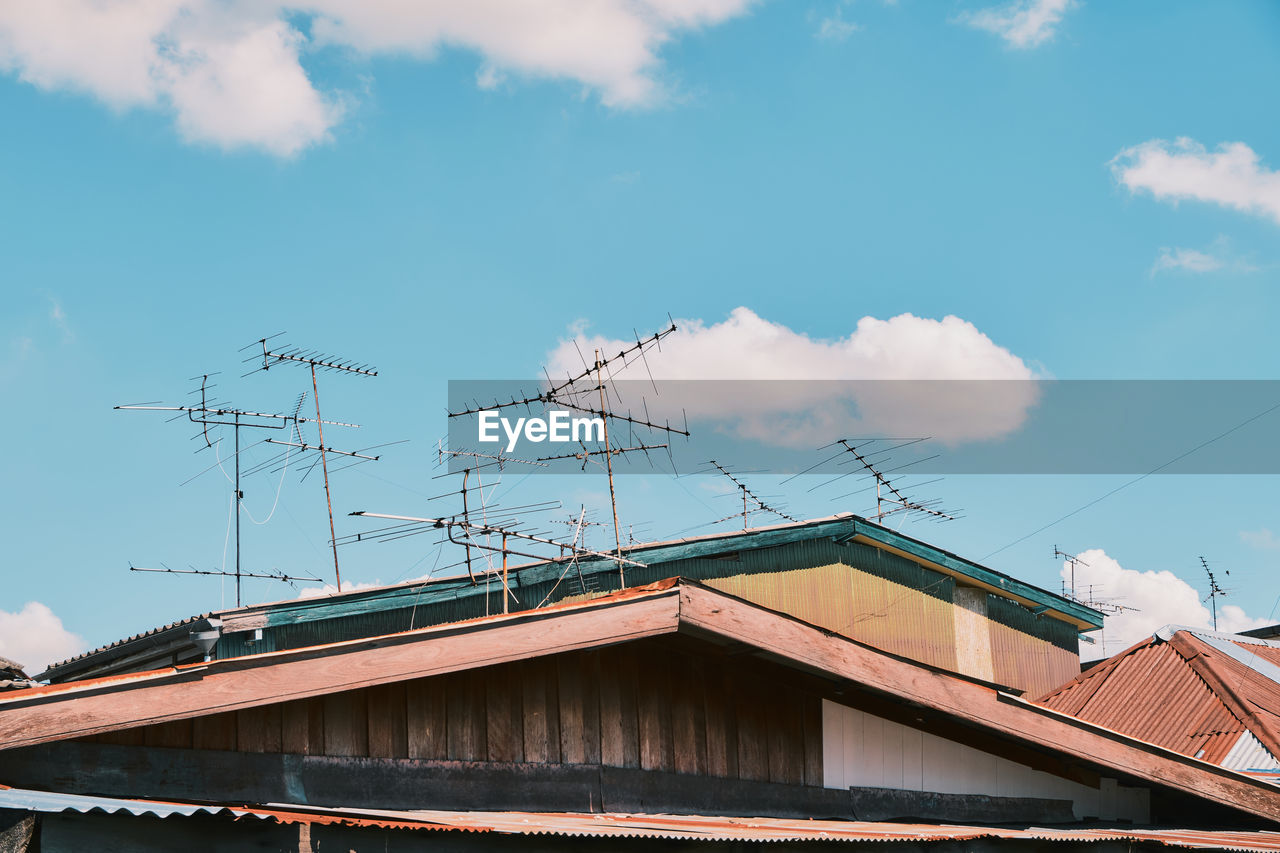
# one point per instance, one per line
(533, 697)
(624, 663)
(707, 613)
(460, 739)
(388, 728)
(895, 804)
(721, 742)
(753, 733)
(811, 724)
(176, 734)
(786, 740)
(302, 727)
(425, 718)
(346, 727)
(505, 733)
(475, 689)
(653, 700)
(572, 748)
(688, 717)
(216, 731)
(611, 750)
(591, 725)
(74, 710)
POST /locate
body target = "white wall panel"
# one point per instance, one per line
(865, 751)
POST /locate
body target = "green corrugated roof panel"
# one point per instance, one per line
(304, 622)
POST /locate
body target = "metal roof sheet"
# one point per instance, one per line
(1194, 691)
(293, 622)
(615, 825)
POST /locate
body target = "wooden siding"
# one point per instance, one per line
(649, 705)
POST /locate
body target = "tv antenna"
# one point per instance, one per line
(490, 531)
(889, 499)
(313, 360)
(273, 576)
(1072, 562)
(575, 392)
(209, 412)
(751, 502)
(478, 461)
(1215, 591)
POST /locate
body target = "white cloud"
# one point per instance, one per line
(905, 347)
(35, 638)
(1262, 539)
(1232, 175)
(1220, 257)
(330, 589)
(1024, 23)
(1159, 598)
(836, 28)
(231, 71)
(1188, 260)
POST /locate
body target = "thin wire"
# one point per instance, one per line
(1134, 480)
(231, 511)
(276, 502)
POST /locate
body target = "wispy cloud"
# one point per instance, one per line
(232, 74)
(1232, 175)
(1219, 258)
(1262, 539)
(1188, 260)
(59, 319)
(835, 28)
(1023, 24)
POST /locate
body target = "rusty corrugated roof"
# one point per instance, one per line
(1193, 691)
(616, 825)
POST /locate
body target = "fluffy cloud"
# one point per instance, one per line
(905, 347)
(1232, 175)
(230, 71)
(1023, 24)
(35, 638)
(1158, 598)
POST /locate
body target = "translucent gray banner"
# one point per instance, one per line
(925, 426)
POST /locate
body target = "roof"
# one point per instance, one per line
(66, 711)
(367, 612)
(1201, 693)
(615, 825)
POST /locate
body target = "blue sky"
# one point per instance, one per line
(447, 195)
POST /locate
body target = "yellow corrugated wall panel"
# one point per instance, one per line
(859, 605)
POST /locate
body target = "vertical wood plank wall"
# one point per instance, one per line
(652, 707)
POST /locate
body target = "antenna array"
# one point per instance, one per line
(751, 502)
(1215, 591)
(313, 361)
(575, 393)
(889, 498)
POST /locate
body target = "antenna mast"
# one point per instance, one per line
(1215, 591)
(887, 492)
(215, 413)
(312, 360)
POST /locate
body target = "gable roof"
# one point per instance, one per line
(60, 712)
(369, 612)
(1197, 692)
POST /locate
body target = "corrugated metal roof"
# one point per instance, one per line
(370, 612)
(614, 825)
(1194, 691)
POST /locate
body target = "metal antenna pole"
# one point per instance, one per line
(239, 497)
(328, 499)
(608, 461)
